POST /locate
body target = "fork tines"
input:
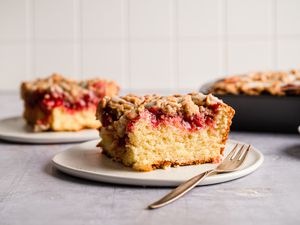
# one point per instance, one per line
(238, 151)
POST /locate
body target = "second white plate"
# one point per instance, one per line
(86, 161)
(14, 129)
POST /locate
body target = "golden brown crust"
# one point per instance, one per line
(230, 114)
(273, 83)
(165, 164)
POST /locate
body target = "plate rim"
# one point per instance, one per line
(81, 173)
(23, 138)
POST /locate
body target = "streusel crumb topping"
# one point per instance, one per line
(130, 105)
(72, 90)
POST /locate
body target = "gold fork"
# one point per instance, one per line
(231, 163)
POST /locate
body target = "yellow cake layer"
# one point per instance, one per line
(61, 119)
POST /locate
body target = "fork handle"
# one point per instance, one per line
(180, 190)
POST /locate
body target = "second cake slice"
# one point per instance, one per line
(57, 103)
(152, 132)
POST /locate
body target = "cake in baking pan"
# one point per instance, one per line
(278, 83)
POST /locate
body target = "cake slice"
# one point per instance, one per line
(60, 104)
(152, 132)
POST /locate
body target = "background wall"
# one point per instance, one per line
(144, 44)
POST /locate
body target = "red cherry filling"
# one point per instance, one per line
(49, 101)
(196, 122)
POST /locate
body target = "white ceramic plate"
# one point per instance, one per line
(14, 129)
(86, 161)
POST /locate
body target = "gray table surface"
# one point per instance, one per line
(33, 192)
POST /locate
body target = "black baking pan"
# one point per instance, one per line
(264, 113)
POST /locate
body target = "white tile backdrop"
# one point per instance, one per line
(146, 44)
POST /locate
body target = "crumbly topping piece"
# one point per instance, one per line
(56, 86)
(273, 83)
(112, 108)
